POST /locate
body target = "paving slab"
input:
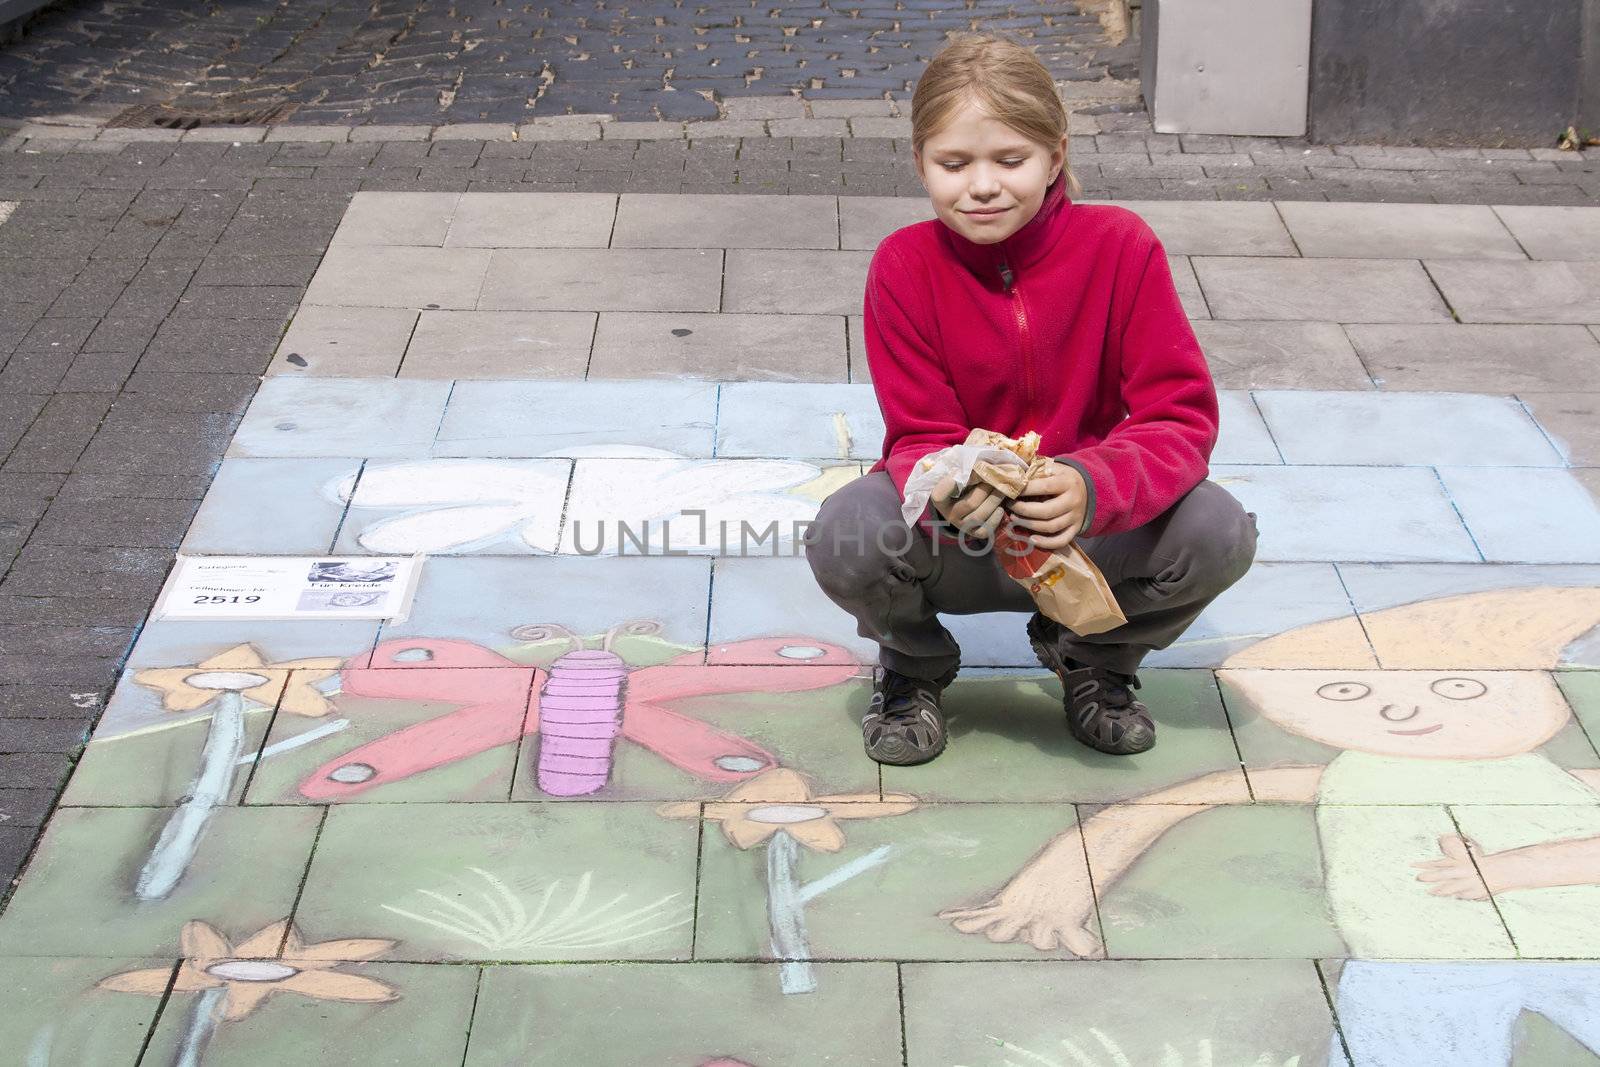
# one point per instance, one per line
(1218, 1011)
(1345, 290)
(1398, 642)
(1572, 421)
(853, 1016)
(1465, 994)
(367, 752)
(1280, 355)
(1582, 691)
(1551, 923)
(940, 856)
(500, 344)
(52, 1007)
(399, 277)
(1518, 515)
(1540, 292)
(667, 220)
(344, 342)
(493, 601)
(755, 597)
(717, 507)
(1242, 436)
(420, 219)
(501, 506)
(613, 279)
(1008, 744)
(417, 1013)
(1404, 429)
(864, 221)
(1306, 514)
(1271, 598)
(182, 642)
(1398, 231)
(269, 507)
(1565, 233)
(78, 899)
(622, 876)
(596, 417)
(1484, 358)
(718, 727)
(385, 418)
(1336, 733)
(795, 281)
(1188, 287)
(144, 755)
(1210, 228)
(1589, 478)
(785, 421)
(720, 347)
(532, 220)
(855, 334)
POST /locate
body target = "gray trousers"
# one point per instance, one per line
(896, 580)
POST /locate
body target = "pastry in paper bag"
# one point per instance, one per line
(1065, 584)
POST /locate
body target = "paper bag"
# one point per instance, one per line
(1065, 584)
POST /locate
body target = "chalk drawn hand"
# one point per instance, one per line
(1048, 913)
(1455, 875)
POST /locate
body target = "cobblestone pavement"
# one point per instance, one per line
(405, 61)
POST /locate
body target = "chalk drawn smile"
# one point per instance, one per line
(1415, 733)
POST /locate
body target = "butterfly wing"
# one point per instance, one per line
(693, 746)
(499, 706)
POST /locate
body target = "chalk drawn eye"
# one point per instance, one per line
(1459, 688)
(1343, 691)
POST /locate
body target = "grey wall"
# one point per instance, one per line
(1468, 72)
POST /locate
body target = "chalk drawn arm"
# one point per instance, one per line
(1468, 872)
(1050, 902)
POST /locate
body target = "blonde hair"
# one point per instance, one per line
(1005, 79)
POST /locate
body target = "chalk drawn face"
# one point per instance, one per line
(1462, 715)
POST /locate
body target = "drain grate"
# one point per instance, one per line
(167, 117)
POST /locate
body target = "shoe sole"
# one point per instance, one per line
(897, 758)
(1050, 660)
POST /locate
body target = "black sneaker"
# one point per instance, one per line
(904, 724)
(1102, 711)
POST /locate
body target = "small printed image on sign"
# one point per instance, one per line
(337, 599)
(288, 587)
(346, 572)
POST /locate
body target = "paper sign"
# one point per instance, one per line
(289, 587)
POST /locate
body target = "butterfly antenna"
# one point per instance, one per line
(636, 628)
(534, 633)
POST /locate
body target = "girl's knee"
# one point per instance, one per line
(1223, 537)
(858, 536)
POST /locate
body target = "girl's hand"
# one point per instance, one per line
(976, 511)
(1053, 507)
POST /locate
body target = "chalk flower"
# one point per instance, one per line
(240, 669)
(250, 974)
(781, 799)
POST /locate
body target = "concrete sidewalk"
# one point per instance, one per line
(1407, 677)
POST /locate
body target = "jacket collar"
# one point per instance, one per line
(1023, 248)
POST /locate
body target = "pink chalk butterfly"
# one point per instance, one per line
(580, 707)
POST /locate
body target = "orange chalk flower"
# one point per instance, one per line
(242, 670)
(250, 974)
(780, 799)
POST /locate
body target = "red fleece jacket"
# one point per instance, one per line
(1071, 327)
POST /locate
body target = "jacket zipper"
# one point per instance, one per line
(1021, 314)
